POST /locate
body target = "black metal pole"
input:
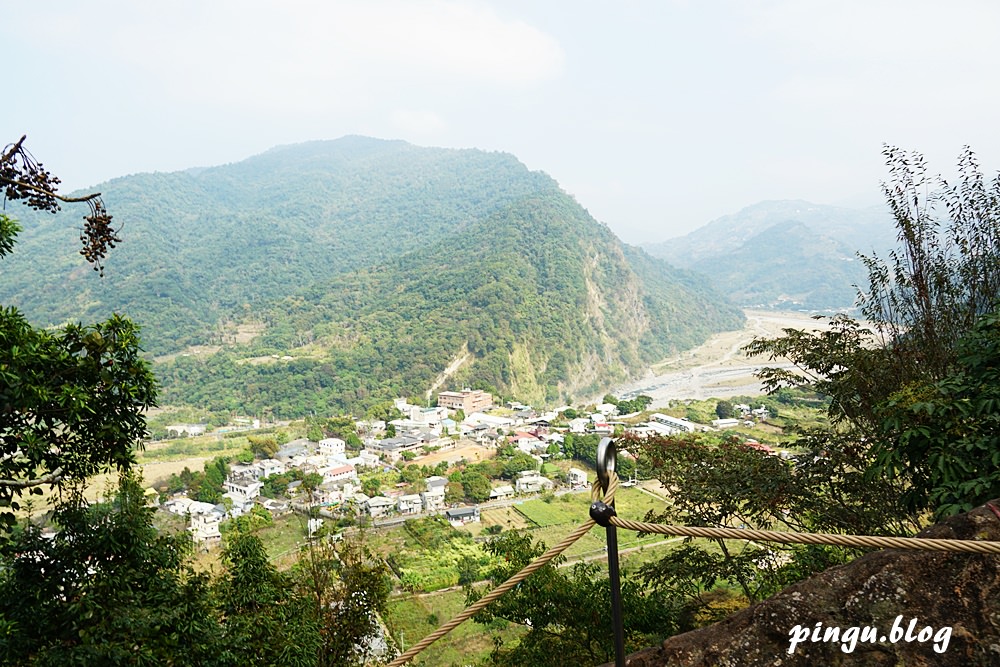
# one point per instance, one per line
(616, 596)
(606, 460)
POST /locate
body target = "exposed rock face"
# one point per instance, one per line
(938, 589)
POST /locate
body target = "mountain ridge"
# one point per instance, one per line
(371, 237)
(789, 254)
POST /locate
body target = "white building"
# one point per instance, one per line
(530, 481)
(433, 498)
(377, 506)
(668, 425)
(205, 519)
(577, 477)
(332, 447)
(243, 490)
(410, 504)
(269, 467)
(502, 492)
(339, 474)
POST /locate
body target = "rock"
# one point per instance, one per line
(898, 593)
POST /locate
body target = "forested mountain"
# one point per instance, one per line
(785, 254)
(368, 267)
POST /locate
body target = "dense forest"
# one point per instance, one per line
(542, 300)
(366, 267)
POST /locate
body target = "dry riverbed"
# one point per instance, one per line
(718, 368)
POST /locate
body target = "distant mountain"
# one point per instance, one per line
(784, 254)
(331, 275)
(205, 246)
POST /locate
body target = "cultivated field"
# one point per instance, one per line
(464, 449)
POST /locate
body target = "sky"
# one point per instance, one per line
(657, 116)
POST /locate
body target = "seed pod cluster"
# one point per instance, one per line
(24, 178)
(98, 236)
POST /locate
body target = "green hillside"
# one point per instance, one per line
(541, 301)
(365, 268)
(205, 246)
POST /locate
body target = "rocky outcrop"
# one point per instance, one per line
(908, 607)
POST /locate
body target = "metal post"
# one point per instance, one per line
(606, 459)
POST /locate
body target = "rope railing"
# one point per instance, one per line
(497, 592)
(602, 513)
(787, 537)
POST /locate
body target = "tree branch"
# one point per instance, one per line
(49, 193)
(53, 477)
(14, 149)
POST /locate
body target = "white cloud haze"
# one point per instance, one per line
(656, 116)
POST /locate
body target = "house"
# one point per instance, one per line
(292, 449)
(529, 481)
(269, 467)
(243, 489)
(244, 470)
(365, 459)
(467, 400)
(339, 473)
(490, 421)
(527, 442)
(753, 444)
(578, 425)
(410, 504)
(436, 481)
(179, 505)
(669, 425)
(607, 409)
(460, 516)
(502, 492)
(433, 498)
(205, 519)
(603, 428)
(577, 477)
(377, 506)
(392, 448)
(204, 528)
(275, 507)
(725, 423)
(332, 447)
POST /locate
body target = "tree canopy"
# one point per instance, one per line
(71, 399)
(912, 373)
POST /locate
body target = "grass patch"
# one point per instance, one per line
(555, 513)
(208, 446)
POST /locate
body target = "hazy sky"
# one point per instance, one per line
(656, 116)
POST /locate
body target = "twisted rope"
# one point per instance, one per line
(785, 537)
(862, 541)
(497, 592)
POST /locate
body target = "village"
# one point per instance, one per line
(327, 476)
